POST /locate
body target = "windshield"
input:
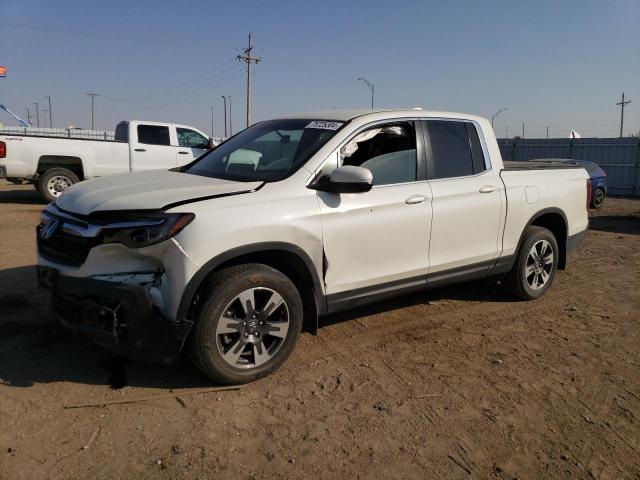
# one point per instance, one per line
(267, 151)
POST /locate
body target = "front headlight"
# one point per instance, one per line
(148, 230)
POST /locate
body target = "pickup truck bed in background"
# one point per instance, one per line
(54, 162)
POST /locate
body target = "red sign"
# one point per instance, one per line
(3, 71)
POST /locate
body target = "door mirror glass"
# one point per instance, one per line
(347, 179)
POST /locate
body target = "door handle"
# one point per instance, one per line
(413, 199)
(488, 189)
(183, 153)
(140, 150)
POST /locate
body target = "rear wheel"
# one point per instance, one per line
(598, 198)
(535, 266)
(248, 326)
(54, 181)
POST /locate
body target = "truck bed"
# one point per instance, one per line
(540, 164)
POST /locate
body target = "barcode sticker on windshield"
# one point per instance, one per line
(324, 125)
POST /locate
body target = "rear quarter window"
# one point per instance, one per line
(153, 135)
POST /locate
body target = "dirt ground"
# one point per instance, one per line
(456, 383)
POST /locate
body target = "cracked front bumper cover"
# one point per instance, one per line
(117, 316)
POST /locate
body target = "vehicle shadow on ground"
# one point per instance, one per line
(35, 348)
(628, 224)
(476, 291)
(21, 195)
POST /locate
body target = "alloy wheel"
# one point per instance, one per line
(252, 328)
(539, 264)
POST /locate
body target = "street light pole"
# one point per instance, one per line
(372, 87)
(224, 98)
(493, 117)
(50, 114)
(211, 121)
(93, 96)
(37, 114)
(231, 118)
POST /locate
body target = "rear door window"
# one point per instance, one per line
(455, 149)
(153, 135)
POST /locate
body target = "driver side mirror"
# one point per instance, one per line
(346, 179)
(210, 144)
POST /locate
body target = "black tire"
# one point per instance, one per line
(598, 198)
(207, 346)
(49, 188)
(529, 287)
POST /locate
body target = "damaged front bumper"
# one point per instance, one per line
(118, 316)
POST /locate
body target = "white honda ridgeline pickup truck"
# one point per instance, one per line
(55, 163)
(295, 218)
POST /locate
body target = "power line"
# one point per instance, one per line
(161, 103)
(248, 59)
(204, 90)
(182, 88)
(622, 103)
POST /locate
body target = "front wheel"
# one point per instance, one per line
(536, 264)
(54, 181)
(248, 325)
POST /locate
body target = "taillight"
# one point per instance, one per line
(3, 149)
(588, 193)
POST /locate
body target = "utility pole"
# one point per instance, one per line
(224, 98)
(547, 133)
(50, 114)
(506, 132)
(522, 129)
(231, 118)
(211, 121)
(93, 96)
(44, 117)
(622, 104)
(249, 60)
(28, 116)
(372, 87)
(37, 114)
(496, 114)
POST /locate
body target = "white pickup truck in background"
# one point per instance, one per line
(54, 163)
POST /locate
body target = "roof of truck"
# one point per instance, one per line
(349, 114)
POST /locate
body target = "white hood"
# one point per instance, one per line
(146, 190)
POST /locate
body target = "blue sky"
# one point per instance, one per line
(557, 63)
